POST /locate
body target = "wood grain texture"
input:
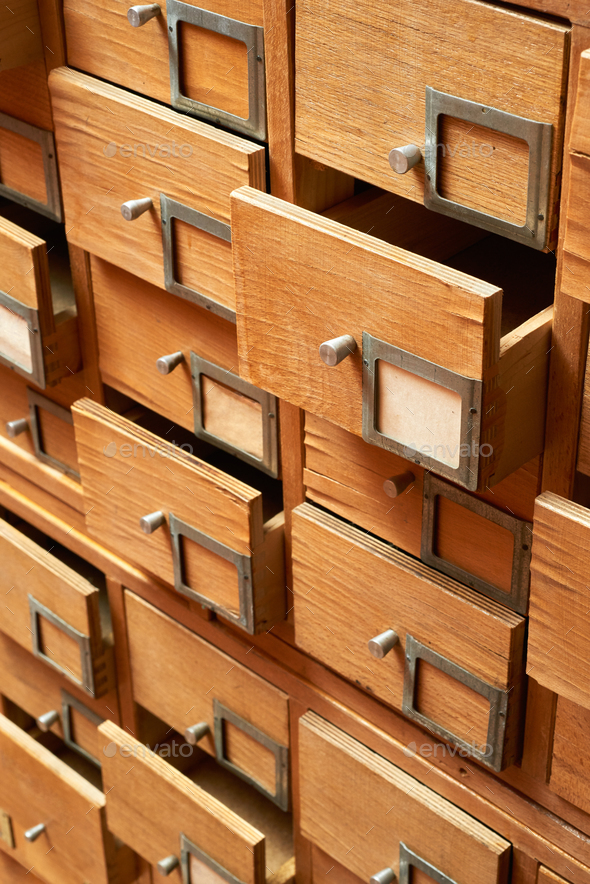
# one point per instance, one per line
(473, 50)
(546, 876)
(583, 459)
(575, 280)
(579, 139)
(22, 165)
(13, 873)
(570, 769)
(389, 806)
(25, 270)
(29, 83)
(20, 43)
(541, 705)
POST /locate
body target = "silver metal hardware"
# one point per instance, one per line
(517, 598)
(38, 610)
(383, 643)
(44, 138)
(152, 522)
(470, 390)
(167, 865)
(243, 564)
(334, 351)
(6, 833)
(409, 860)
(385, 876)
(45, 721)
(67, 704)
(167, 364)
(253, 36)
(498, 699)
(402, 159)
(33, 833)
(281, 753)
(170, 209)
(133, 209)
(36, 371)
(270, 447)
(36, 402)
(188, 849)
(15, 428)
(140, 15)
(538, 137)
(396, 485)
(195, 733)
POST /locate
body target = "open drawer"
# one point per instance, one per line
(416, 356)
(192, 524)
(348, 791)
(445, 656)
(198, 825)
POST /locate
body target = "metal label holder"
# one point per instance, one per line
(517, 598)
(31, 317)
(281, 753)
(409, 860)
(243, 564)
(171, 209)
(252, 35)
(67, 704)
(37, 401)
(44, 138)
(538, 137)
(498, 699)
(270, 456)
(471, 395)
(83, 641)
(188, 849)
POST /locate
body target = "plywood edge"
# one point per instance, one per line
(550, 503)
(48, 478)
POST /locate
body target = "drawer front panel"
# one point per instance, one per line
(575, 244)
(352, 796)
(12, 872)
(570, 769)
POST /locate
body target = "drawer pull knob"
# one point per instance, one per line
(15, 428)
(33, 834)
(168, 864)
(381, 645)
(195, 733)
(402, 159)
(139, 15)
(385, 876)
(45, 721)
(395, 485)
(334, 351)
(132, 209)
(152, 522)
(166, 364)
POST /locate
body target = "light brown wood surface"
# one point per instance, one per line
(500, 58)
(353, 798)
(57, 438)
(21, 42)
(29, 81)
(25, 269)
(570, 771)
(576, 253)
(580, 124)
(583, 459)
(22, 165)
(546, 876)
(13, 873)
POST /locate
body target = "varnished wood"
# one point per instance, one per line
(21, 41)
(570, 773)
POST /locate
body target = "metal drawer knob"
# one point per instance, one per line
(395, 485)
(166, 364)
(168, 864)
(15, 428)
(45, 721)
(139, 15)
(132, 209)
(334, 351)
(33, 834)
(195, 733)
(385, 876)
(152, 522)
(402, 159)
(382, 644)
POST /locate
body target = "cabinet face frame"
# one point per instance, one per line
(52, 208)
(37, 401)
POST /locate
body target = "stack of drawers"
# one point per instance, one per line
(294, 576)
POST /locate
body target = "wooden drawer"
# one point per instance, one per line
(186, 168)
(201, 391)
(570, 769)
(216, 827)
(212, 543)
(441, 370)
(455, 660)
(38, 787)
(21, 36)
(477, 164)
(53, 611)
(350, 796)
(247, 718)
(13, 873)
(200, 60)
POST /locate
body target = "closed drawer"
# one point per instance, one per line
(246, 718)
(201, 390)
(199, 825)
(492, 154)
(186, 168)
(347, 791)
(448, 658)
(570, 770)
(439, 370)
(203, 530)
(201, 61)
